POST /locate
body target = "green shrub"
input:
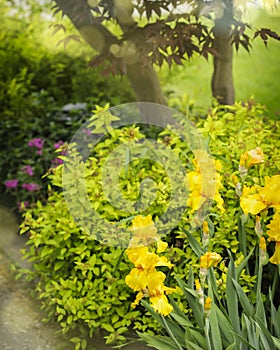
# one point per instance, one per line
(80, 281)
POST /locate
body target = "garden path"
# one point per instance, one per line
(21, 326)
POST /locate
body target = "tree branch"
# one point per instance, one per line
(90, 28)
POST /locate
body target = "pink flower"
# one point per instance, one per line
(11, 183)
(63, 152)
(22, 205)
(62, 146)
(37, 142)
(57, 161)
(27, 169)
(58, 144)
(31, 187)
(39, 152)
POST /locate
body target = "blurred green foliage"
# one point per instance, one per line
(254, 74)
(36, 80)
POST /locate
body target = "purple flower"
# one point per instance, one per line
(37, 142)
(22, 205)
(27, 169)
(63, 152)
(62, 146)
(11, 183)
(58, 144)
(57, 161)
(39, 152)
(31, 187)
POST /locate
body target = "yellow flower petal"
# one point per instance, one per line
(137, 279)
(161, 305)
(270, 193)
(209, 259)
(220, 202)
(169, 290)
(139, 296)
(274, 228)
(142, 221)
(161, 246)
(144, 231)
(142, 258)
(275, 259)
(262, 243)
(207, 304)
(162, 261)
(197, 285)
(252, 205)
(251, 201)
(255, 156)
(205, 228)
(135, 254)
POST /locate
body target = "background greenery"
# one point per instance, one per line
(37, 78)
(255, 73)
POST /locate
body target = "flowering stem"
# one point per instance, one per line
(171, 334)
(259, 283)
(242, 235)
(206, 328)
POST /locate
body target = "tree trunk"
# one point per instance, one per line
(145, 84)
(143, 80)
(222, 78)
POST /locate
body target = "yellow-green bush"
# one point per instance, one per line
(81, 281)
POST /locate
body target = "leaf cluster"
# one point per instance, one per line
(157, 31)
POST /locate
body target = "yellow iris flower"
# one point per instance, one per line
(251, 200)
(255, 199)
(143, 259)
(252, 157)
(144, 277)
(209, 259)
(145, 233)
(204, 182)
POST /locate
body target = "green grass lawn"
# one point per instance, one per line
(256, 74)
